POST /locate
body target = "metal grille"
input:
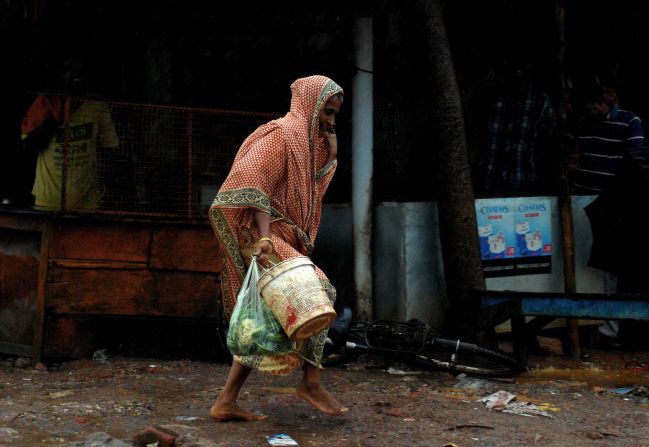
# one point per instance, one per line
(392, 146)
(151, 160)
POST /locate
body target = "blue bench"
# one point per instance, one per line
(499, 306)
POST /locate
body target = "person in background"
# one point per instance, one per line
(269, 206)
(605, 132)
(521, 122)
(607, 135)
(66, 132)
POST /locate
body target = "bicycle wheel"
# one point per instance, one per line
(468, 358)
(393, 336)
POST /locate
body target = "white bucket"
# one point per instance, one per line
(295, 294)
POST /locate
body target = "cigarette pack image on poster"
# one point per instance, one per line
(533, 228)
(495, 228)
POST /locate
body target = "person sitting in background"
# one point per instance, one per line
(605, 133)
(66, 132)
(607, 136)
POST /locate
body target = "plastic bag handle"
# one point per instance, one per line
(261, 267)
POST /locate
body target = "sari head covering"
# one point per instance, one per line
(280, 169)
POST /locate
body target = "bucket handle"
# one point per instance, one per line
(261, 267)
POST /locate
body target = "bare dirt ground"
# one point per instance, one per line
(582, 403)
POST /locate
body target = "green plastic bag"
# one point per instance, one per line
(253, 327)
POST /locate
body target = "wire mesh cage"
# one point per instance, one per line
(138, 159)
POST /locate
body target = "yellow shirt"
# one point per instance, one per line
(89, 125)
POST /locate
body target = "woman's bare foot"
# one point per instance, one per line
(224, 412)
(320, 398)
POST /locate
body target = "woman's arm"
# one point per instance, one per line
(264, 246)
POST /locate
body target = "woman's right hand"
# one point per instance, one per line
(331, 140)
(261, 251)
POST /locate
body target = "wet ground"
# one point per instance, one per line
(600, 400)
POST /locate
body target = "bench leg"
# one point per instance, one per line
(573, 349)
(519, 339)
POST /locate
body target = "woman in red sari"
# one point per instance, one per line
(269, 206)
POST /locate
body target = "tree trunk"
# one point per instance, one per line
(458, 228)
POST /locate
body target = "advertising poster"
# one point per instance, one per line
(515, 235)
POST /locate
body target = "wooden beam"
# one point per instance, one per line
(39, 318)
(132, 293)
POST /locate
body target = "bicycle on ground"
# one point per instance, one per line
(415, 343)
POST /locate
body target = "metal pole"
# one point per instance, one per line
(362, 165)
(190, 163)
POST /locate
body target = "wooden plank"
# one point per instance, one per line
(100, 240)
(99, 264)
(19, 275)
(23, 221)
(69, 337)
(23, 260)
(39, 319)
(16, 349)
(185, 248)
(132, 293)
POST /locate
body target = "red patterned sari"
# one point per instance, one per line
(281, 169)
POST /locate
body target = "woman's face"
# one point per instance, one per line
(327, 116)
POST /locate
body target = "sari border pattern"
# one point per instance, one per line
(325, 169)
(243, 198)
(228, 240)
